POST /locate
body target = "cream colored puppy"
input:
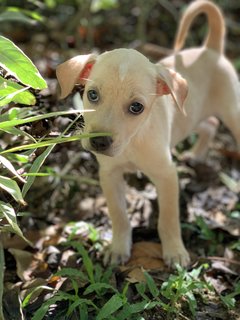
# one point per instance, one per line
(148, 108)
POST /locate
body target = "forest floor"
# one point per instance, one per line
(68, 207)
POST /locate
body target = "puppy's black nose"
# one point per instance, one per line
(101, 143)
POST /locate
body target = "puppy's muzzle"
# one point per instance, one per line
(101, 144)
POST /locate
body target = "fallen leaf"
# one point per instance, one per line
(147, 255)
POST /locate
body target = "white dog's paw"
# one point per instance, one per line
(117, 253)
(115, 258)
(178, 255)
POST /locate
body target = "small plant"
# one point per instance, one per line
(20, 81)
(229, 299)
(183, 286)
(97, 297)
(207, 234)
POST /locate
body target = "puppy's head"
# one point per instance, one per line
(121, 86)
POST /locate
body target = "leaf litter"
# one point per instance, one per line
(69, 206)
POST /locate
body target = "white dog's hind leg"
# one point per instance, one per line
(113, 187)
(206, 132)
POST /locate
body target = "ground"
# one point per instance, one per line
(68, 208)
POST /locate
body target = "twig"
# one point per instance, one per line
(224, 260)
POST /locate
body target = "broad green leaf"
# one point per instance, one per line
(8, 165)
(8, 212)
(12, 188)
(11, 91)
(19, 65)
(112, 305)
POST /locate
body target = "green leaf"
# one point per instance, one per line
(7, 164)
(151, 285)
(19, 65)
(11, 91)
(49, 142)
(37, 164)
(12, 188)
(112, 305)
(18, 122)
(71, 273)
(96, 287)
(36, 289)
(86, 260)
(40, 313)
(7, 211)
(83, 303)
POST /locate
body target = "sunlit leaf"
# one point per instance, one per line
(8, 165)
(11, 91)
(19, 65)
(7, 211)
(12, 188)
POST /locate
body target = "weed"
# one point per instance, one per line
(229, 299)
(99, 299)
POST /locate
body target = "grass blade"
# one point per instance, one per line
(112, 305)
(38, 162)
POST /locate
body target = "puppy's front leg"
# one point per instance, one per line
(113, 187)
(169, 230)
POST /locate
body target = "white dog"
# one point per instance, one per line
(138, 103)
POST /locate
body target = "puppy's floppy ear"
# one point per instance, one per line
(171, 82)
(74, 71)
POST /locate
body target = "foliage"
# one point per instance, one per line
(100, 299)
(229, 299)
(19, 83)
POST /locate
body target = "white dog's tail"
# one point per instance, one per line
(216, 33)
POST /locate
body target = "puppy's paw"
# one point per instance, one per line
(115, 258)
(177, 256)
(117, 253)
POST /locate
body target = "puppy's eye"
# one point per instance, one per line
(93, 95)
(136, 108)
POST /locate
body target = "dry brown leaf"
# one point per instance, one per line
(134, 275)
(17, 242)
(23, 260)
(27, 264)
(147, 255)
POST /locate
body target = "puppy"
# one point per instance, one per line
(145, 109)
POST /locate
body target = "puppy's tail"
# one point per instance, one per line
(216, 34)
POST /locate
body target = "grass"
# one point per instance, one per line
(93, 293)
